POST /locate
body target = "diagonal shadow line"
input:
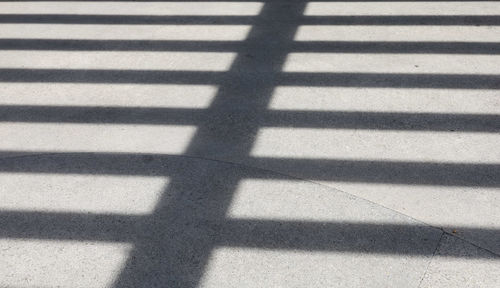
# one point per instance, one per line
(402, 80)
(271, 118)
(347, 236)
(442, 20)
(479, 48)
(355, 171)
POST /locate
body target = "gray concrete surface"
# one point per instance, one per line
(468, 270)
(249, 144)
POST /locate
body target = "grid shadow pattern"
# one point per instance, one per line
(179, 235)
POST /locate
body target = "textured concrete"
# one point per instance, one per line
(272, 144)
(463, 271)
(342, 248)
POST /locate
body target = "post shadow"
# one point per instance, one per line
(176, 248)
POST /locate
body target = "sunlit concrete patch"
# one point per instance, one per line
(392, 63)
(38, 263)
(464, 271)
(439, 206)
(434, 8)
(297, 201)
(354, 144)
(455, 206)
(197, 61)
(63, 137)
(80, 193)
(397, 33)
(131, 8)
(245, 267)
(107, 95)
(386, 100)
(125, 32)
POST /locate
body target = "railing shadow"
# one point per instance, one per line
(172, 245)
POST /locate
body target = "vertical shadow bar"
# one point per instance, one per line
(174, 247)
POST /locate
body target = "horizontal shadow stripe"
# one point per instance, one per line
(462, 20)
(123, 115)
(357, 171)
(121, 45)
(486, 48)
(396, 172)
(369, 238)
(93, 163)
(112, 76)
(451, 81)
(125, 19)
(384, 121)
(357, 237)
(70, 226)
(309, 119)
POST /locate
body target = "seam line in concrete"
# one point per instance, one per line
(430, 260)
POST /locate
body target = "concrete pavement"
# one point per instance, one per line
(249, 144)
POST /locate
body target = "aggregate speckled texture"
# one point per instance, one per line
(249, 144)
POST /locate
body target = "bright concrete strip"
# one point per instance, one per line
(184, 61)
(258, 199)
(397, 33)
(390, 8)
(131, 8)
(386, 100)
(354, 144)
(41, 263)
(472, 207)
(107, 95)
(80, 193)
(392, 63)
(95, 138)
(124, 32)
